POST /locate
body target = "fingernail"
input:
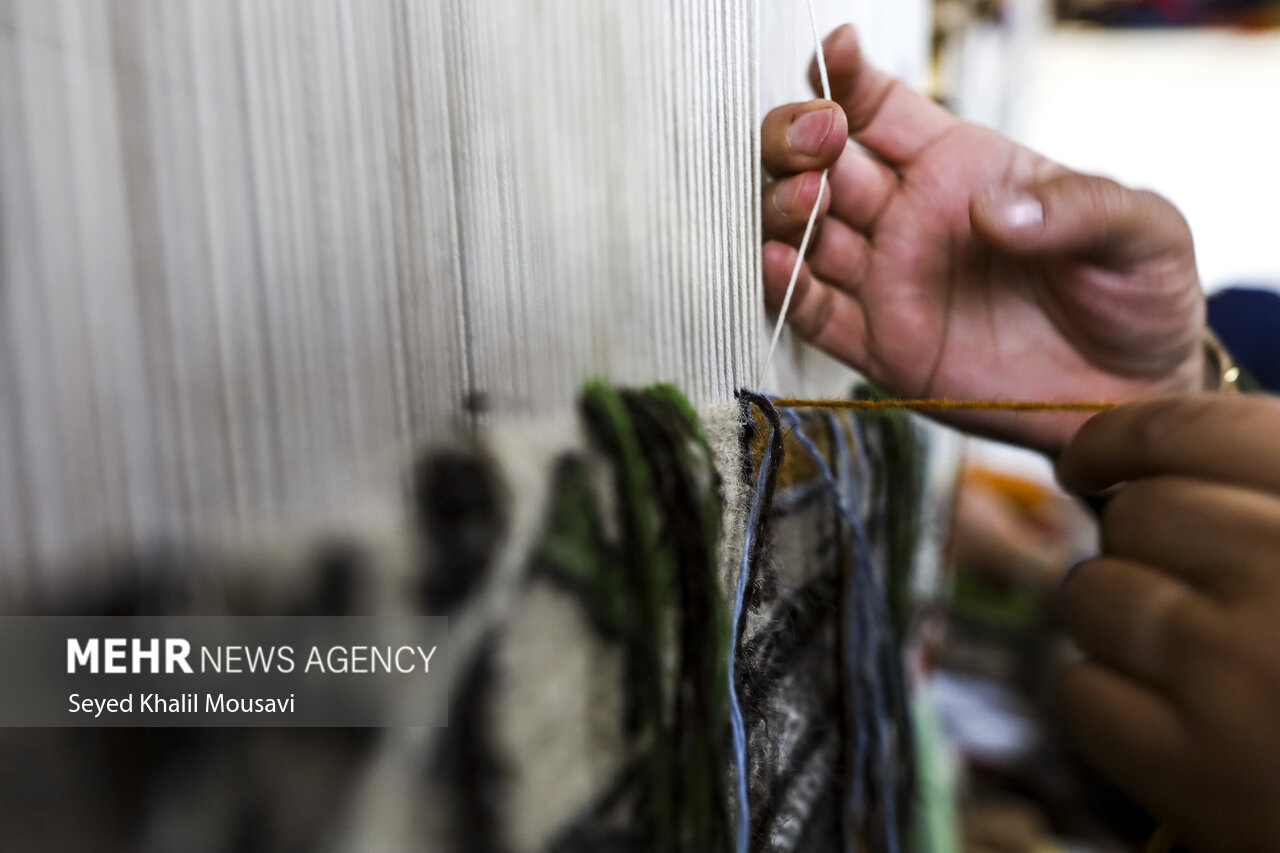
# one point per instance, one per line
(807, 133)
(1015, 209)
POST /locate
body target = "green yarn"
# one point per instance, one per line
(652, 586)
(898, 466)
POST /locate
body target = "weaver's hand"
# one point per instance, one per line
(1180, 702)
(952, 262)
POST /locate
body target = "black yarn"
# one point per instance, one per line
(458, 501)
(466, 763)
(792, 631)
(662, 433)
(747, 399)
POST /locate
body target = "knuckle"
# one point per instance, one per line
(1133, 503)
(1198, 415)
(788, 202)
(1149, 427)
(1183, 631)
(863, 110)
(777, 261)
(1155, 425)
(813, 310)
(1179, 641)
(1203, 652)
(1118, 510)
(778, 220)
(1144, 512)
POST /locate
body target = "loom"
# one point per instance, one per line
(260, 260)
(253, 252)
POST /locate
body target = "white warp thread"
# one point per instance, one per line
(254, 252)
(813, 214)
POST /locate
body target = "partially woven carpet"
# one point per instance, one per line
(589, 571)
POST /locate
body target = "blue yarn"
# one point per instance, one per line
(869, 633)
(870, 616)
(860, 675)
(740, 596)
(885, 633)
(858, 657)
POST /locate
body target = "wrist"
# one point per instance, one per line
(1207, 367)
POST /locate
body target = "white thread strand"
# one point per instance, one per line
(813, 214)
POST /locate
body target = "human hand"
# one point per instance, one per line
(951, 261)
(1179, 702)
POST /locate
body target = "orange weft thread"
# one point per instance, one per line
(982, 405)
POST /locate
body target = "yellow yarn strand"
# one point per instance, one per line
(979, 405)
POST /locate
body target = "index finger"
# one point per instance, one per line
(1223, 438)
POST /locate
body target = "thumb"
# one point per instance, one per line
(1078, 214)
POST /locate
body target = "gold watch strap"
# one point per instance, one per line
(1221, 372)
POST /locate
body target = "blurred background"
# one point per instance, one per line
(249, 349)
(1177, 96)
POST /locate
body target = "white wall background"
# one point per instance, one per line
(254, 252)
(1194, 115)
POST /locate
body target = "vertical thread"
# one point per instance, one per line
(813, 214)
(752, 550)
